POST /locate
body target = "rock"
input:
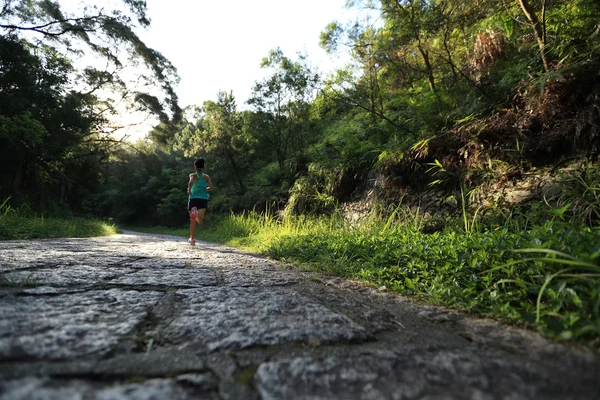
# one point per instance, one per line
(237, 318)
(183, 387)
(423, 374)
(67, 326)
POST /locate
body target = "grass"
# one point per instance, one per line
(545, 277)
(23, 224)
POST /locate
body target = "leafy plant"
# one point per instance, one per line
(577, 194)
(545, 277)
(469, 222)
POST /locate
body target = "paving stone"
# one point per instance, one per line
(156, 263)
(439, 374)
(75, 275)
(183, 387)
(69, 325)
(243, 277)
(236, 318)
(11, 262)
(48, 290)
(166, 276)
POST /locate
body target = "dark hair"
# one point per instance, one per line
(199, 163)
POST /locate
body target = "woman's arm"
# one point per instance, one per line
(210, 186)
(193, 178)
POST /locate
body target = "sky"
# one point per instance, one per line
(218, 45)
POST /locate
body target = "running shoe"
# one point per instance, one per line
(194, 214)
(192, 241)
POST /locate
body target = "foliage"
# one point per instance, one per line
(108, 34)
(144, 185)
(46, 134)
(576, 195)
(23, 223)
(546, 277)
(55, 113)
(313, 193)
(282, 107)
(476, 89)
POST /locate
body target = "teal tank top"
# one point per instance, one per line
(198, 190)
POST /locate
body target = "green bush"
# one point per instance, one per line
(22, 223)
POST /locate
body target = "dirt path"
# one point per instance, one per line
(136, 316)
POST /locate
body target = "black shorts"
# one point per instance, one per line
(198, 203)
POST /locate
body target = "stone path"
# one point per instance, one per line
(136, 316)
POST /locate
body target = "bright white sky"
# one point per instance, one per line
(218, 45)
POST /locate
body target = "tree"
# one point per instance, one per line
(222, 135)
(366, 84)
(282, 106)
(144, 184)
(539, 27)
(54, 112)
(42, 127)
(110, 36)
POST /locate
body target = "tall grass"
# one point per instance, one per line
(577, 194)
(546, 277)
(260, 232)
(536, 266)
(23, 223)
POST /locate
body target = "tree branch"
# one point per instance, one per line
(349, 101)
(70, 28)
(537, 29)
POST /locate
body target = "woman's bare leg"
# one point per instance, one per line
(192, 227)
(201, 213)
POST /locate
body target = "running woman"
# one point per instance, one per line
(198, 188)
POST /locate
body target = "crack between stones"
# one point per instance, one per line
(110, 377)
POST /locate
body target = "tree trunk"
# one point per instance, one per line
(63, 189)
(237, 173)
(538, 29)
(428, 68)
(18, 178)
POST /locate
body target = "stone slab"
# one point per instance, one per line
(236, 318)
(165, 276)
(155, 263)
(242, 277)
(424, 374)
(66, 326)
(182, 387)
(74, 275)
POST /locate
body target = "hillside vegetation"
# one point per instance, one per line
(445, 103)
